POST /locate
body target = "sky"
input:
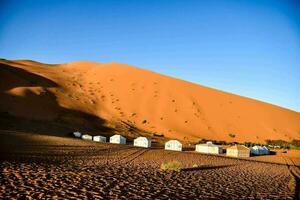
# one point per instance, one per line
(250, 48)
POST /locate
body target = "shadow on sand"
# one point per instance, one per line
(39, 112)
(205, 167)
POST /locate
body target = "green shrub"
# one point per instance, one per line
(203, 140)
(281, 143)
(294, 147)
(217, 142)
(295, 143)
(172, 166)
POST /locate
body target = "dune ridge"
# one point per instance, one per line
(115, 97)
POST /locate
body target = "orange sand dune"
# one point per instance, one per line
(124, 99)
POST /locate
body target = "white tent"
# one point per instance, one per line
(266, 150)
(238, 151)
(117, 139)
(99, 138)
(87, 137)
(209, 147)
(259, 150)
(142, 142)
(77, 134)
(173, 145)
(256, 150)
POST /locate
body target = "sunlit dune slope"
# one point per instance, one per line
(125, 98)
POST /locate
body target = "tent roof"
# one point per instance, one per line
(257, 147)
(208, 144)
(118, 136)
(176, 141)
(266, 148)
(238, 147)
(142, 138)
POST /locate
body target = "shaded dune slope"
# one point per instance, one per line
(29, 103)
(114, 97)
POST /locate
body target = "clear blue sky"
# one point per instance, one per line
(251, 48)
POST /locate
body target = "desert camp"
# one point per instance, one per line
(150, 100)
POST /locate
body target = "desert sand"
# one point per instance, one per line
(44, 166)
(42, 104)
(111, 97)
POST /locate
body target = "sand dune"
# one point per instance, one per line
(116, 97)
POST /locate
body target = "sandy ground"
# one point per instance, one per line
(72, 168)
(280, 157)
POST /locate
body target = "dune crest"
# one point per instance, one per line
(140, 99)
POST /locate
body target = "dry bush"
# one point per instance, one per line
(172, 166)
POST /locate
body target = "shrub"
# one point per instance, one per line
(203, 140)
(280, 143)
(158, 134)
(251, 144)
(296, 143)
(231, 135)
(172, 166)
(217, 142)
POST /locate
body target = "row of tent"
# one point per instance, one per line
(175, 145)
(115, 139)
(235, 151)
